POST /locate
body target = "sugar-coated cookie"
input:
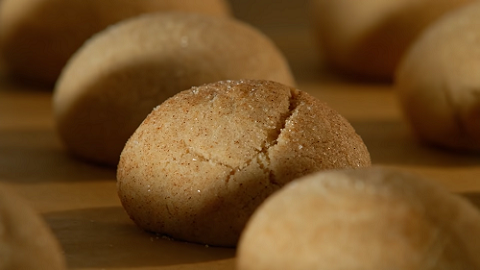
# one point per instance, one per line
(202, 161)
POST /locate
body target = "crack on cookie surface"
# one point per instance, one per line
(292, 108)
(199, 157)
(263, 157)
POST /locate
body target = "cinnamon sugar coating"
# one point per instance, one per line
(200, 163)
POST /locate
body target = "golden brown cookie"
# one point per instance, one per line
(121, 74)
(438, 81)
(368, 38)
(201, 162)
(26, 242)
(37, 37)
(370, 218)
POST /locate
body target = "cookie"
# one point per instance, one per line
(367, 39)
(369, 218)
(202, 161)
(438, 82)
(26, 241)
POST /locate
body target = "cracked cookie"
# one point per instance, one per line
(369, 218)
(39, 36)
(121, 74)
(26, 242)
(202, 161)
(438, 82)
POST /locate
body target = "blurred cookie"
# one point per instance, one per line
(367, 38)
(25, 240)
(369, 218)
(438, 81)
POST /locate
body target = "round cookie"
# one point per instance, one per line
(25, 240)
(37, 37)
(438, 81)
(121, 74)
(202, 161)
(369, 218)
(368, 38)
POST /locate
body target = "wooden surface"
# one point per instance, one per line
(79, 201)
